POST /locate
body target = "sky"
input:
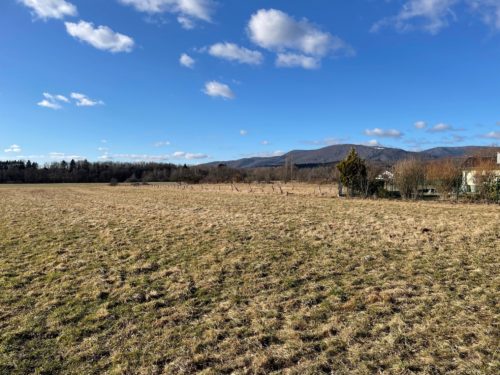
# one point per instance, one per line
(194, 81)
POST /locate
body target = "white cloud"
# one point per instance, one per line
(13, 148)
(492, 135)
(102, 149)
(187, 61)
(265, 143)
(134, 157)
(101, 37)
(429, 15)
(83, 100)
(292, 60)
(277, 31)
(63, 156)
(45, 9)
(233, 52)
(390, 133)
(372, 143)
(186, 22)
(154, 158)
(52, 101)
(187, 10)
(441, 127)
(325, 142)
(243, 132)
(162, 144)
(264, 154)
(420, 125)
(217, 89)
(488, 10)
(188, 155)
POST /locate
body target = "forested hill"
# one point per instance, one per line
(333, 154)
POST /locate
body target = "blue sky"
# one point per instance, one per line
(190, 81)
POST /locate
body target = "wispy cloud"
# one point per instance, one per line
(162, 144)
(59, 156)
(83, 100)
(187, 10)
(492, 135)
(13, 149)
(101, 37)
(293, 60)
(233, 52)
(55, 101)
(389, 133)
(189, 155)
(52, 101)
(178, 155)
(218, 89)
(441, 127)
(264, 154)
(243, 132)
(45, 9)
(325, 142)
(428, 15)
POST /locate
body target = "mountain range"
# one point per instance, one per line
(333, 154)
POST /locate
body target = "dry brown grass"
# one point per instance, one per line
(162, 280)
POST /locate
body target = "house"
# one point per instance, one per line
(478, 169)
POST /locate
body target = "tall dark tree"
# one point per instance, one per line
(353, 173)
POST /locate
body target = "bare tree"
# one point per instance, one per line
(409, 177)
(446, 176)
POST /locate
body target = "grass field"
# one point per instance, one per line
(162, 280)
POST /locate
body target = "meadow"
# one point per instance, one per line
(220, 279)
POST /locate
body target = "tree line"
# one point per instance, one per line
(410, 178)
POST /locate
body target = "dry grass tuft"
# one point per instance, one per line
(175, 280)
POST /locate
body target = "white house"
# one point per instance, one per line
(477, 167)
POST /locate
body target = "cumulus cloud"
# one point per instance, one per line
(420, 125)
(13, 149)
(52, 101)
(187, 10)
(45, 9)
(377, 132)
(233, 52)
(101, 37)
(292, 60)
(187, 61)
(492, 135)
(298, 42)
(429, 15)
(83, 100)
(217, 89)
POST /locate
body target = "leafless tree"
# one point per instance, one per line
(409, 177)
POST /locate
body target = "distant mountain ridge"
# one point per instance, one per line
(333, 154)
